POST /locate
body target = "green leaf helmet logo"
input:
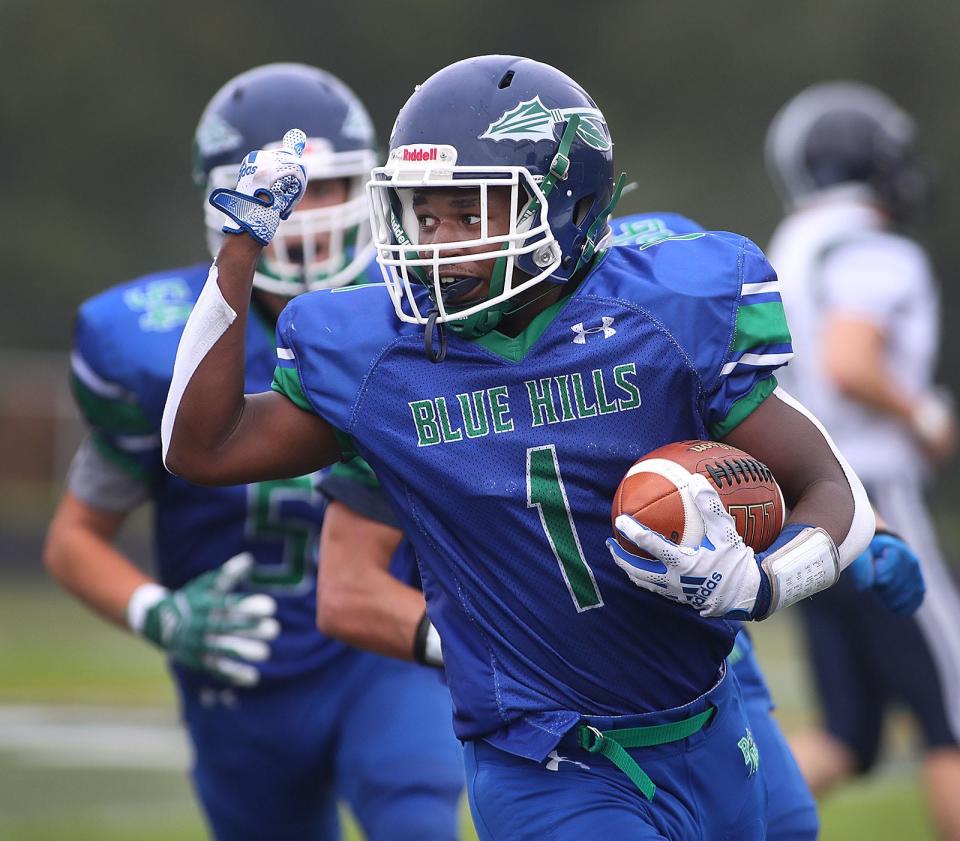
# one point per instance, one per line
(532, 120)
(357, 125)
(215, 136)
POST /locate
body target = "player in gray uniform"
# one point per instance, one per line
(864, 316)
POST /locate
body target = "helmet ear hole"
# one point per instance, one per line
(582, 209)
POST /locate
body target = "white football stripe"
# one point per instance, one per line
(137, 443)
(285, 353)
(94, 381)
(757, 359)
(680, 477)
(759, 288)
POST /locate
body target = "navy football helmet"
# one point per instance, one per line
(846, 133)
(481, 123)
(315, 248)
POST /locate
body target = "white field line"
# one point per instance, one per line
(93, 737)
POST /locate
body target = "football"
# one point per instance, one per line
(655, 492)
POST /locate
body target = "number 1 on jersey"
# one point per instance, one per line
(545, 491)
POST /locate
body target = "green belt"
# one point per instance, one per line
(613, 744)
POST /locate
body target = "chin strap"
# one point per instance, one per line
(440, 353)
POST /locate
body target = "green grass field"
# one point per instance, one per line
(90, 748)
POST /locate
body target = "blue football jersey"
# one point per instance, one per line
(502, 461)
(125, 344)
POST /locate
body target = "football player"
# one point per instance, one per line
(864, 312)
(283, 720)
(362, 597)
(527, 368)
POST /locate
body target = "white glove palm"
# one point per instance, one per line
(720, 577)
(270, 184)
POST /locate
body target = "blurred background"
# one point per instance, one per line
(98, 104)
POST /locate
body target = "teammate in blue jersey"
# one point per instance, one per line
(370, 595)
(527, 368)
(284, 721)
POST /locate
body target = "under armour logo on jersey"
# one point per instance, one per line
(554, 759)
(751, 756)
(581, 332)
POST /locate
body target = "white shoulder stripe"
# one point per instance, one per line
(94, 381)
(138, 443)
(285, 353)
(757, 359)
(759, 288)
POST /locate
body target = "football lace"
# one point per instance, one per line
(738, 470)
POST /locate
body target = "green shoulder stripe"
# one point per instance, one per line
(742, 409)
(760, 324)
(286, 381)
(113, 415)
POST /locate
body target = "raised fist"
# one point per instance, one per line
(269, 185)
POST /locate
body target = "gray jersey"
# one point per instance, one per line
(835, 257)
(101, 483)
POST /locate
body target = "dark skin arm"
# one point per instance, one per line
(813, 482)
(224, 437)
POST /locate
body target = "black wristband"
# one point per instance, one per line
(420, 641)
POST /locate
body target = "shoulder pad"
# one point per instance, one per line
(332, 337)
(125, 338)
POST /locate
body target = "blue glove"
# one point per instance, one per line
(892, 571)
(271, 183)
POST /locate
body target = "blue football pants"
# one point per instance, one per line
(706, 785)
(791, 809)
(271, 763)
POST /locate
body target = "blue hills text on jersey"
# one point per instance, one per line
(558, 399)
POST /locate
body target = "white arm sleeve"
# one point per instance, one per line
(209, 320)
(864, 523)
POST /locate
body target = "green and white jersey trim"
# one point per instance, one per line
(94, 382)
(761, 337)
(758, 360)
